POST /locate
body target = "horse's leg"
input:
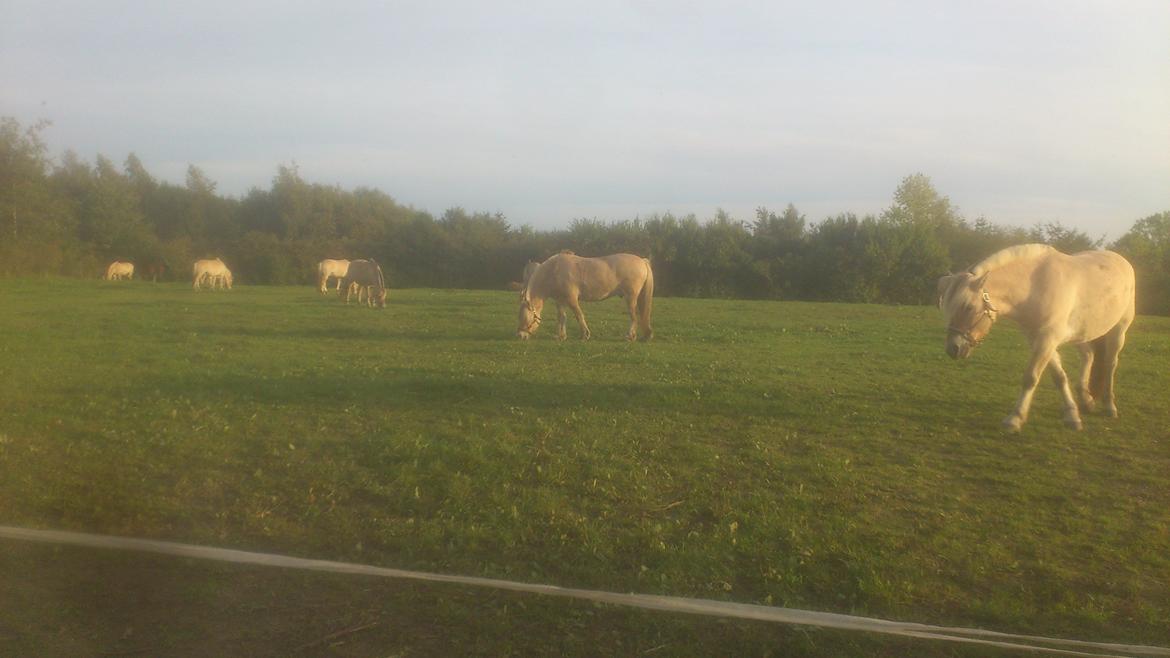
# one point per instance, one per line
(1072, 417)
(1113, 346)
(576, 306)
(1087, 401)
(561, 334)
(632, 307)
(1042, 351)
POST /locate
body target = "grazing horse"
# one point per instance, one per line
(119, 270)
(568, 279)
(330, 268)
(1086, 299)
(212, 273)
(367, 275)
(154, 270)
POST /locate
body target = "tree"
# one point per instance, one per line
(1068, 240)
(917, 202)
(36, 226)
(1147, 246)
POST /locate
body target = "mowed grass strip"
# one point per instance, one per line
(823, 456)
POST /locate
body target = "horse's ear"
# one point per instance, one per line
(981, 281)
(944, 282)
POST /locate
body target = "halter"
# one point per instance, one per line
(989, 311)
(535, 315)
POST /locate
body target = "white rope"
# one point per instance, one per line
(651, 602)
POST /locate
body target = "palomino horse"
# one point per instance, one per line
(568, 279)
(119, 270)
(1086, 299)
(330, 268)
(212, 273)
(367, 275)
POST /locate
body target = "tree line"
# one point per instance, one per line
(71, 217)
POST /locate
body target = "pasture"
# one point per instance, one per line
(819, 456)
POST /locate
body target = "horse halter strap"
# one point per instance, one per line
(535, 315)
(989, 311)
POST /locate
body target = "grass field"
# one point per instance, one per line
(820, 456)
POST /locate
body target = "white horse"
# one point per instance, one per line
(1086, 299)
(330, 268)
(222, 281)
(212, 273)
(119, 270)
(567, 279)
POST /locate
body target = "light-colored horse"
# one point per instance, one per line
(212, 273)
(1086, 299)
(365, 275)
(119, 270)
(222, 281)
(330, 268)
(568, 279)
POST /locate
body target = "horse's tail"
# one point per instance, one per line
(646, 302)
(1099, 371)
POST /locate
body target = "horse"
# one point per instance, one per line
(154, 270)
(365, 274)
(568, 279)
(212, 272)
(222, 281)
(119, 270)
(330, 268)
(1086, 299)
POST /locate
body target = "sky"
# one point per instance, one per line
(1019, 111)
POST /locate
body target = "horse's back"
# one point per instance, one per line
(364, 272)
(592, 279)
(1101, 288)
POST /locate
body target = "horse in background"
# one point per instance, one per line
(568, 279)
(154, 270)
(1086, 299)
(330, 268)
(211, 272)
(365, 275)
(119, 270)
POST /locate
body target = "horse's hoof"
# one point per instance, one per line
(1012, 424)
(1111, 412)
(1074, 424)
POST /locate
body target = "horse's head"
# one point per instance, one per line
(380, 298)
(967, 306)
(529, 317)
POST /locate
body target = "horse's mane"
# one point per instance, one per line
(1010, 255)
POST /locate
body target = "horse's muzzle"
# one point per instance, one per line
(958, 347)
(522, 335)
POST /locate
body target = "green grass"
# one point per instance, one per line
(822, 456)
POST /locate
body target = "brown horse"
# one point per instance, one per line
(365, 275)
(1086, 299)
(568, 279)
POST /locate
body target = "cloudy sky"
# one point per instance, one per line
(1020, 111)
